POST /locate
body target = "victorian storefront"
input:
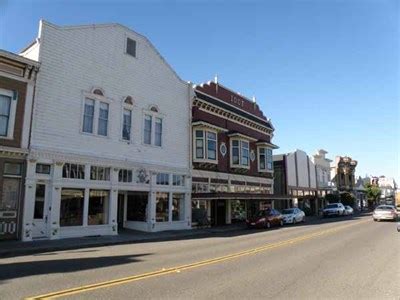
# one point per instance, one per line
(17, 81)
(232, 156)
(110, 136)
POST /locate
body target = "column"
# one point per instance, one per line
(228, 211)
(55, 201)
(29, 201)
(113, 209)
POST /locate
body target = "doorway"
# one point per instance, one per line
(220, 212)
(41, 211)
(121, 211)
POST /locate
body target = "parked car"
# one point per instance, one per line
(265, 219)
(348, 210)
(293, 215)
(334, 209)
(385, 212)
(398, 226)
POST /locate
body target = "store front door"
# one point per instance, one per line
(220, 212)
(121, 210)
(41, 212)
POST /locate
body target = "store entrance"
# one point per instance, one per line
(218, 214)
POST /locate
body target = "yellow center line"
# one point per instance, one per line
(198, 264)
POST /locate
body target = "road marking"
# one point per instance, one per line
(178, 269)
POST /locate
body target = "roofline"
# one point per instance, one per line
(71, 27)
(19, 58)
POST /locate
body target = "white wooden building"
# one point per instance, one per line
(110, 140)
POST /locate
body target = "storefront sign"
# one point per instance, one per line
(236, 100)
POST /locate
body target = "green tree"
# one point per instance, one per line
(347, 199)
(332, 198)
(373, 193)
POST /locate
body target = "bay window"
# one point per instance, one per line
(265, 160)
(240, 150)
(205, 145)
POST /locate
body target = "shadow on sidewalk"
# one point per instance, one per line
(31, 268)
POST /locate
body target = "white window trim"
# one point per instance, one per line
(239, 166)
(266, 162)
(205, 146)
(153, 115)
(13, 111)
(127, 107)
(97, 99)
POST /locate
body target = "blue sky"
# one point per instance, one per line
(325, 72)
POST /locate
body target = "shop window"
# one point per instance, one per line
(178, 207)
(43, 169)
(137, 207)
(99, 173)
(178, 180)
(73, 171)
(125, 175)
(10, 193)
(162, 179)
(238, 211)
(39, 201)
(162, 207)
(98, 207)
(71, 207)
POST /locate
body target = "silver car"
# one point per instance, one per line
(293, 215)
(384, 212)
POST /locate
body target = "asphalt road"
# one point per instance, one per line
(343, 258)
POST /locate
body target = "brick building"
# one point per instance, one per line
(17, 81)
(232, 156)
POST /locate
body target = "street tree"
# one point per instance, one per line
(373, 193)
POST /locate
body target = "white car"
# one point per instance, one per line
(293, 215)
(385, 212)
(334, 209)
(348, 210)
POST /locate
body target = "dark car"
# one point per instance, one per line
(265, 219)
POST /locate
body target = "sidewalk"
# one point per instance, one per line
(18, 248)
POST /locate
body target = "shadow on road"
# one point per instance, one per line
(31, 268)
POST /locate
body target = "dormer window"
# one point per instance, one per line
(131, 47)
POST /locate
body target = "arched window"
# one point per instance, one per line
(128, 100)
(154, 108)
(98, 91)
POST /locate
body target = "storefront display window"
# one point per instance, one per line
(178, 209)
(238, 211)
(10, 194)
(98, 207)
(71, 208)
(137, 207)
(162, 211)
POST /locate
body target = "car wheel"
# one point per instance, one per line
(268, 225)
(281, 223)
(294, 220)
(374, 220)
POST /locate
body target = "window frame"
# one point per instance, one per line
(266, 161)
(240, 165)
(13, 95)
(125, 107)
(97, 99)
(205, 141)
(154, 116)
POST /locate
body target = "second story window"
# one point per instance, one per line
(103, 119)
(265, 161)
(240, 150)
(153, 127)
(127, 124)
(8, 105)
(205, 145)
(95, 116)
(147, 129)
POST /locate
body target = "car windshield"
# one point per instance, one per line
(384, 208)
(331, 206)
(287, 211)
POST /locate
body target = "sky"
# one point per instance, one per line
(326, 72)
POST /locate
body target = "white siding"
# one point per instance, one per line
(291, 169)
(313, 175)
(73, 61)
(302, 168)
